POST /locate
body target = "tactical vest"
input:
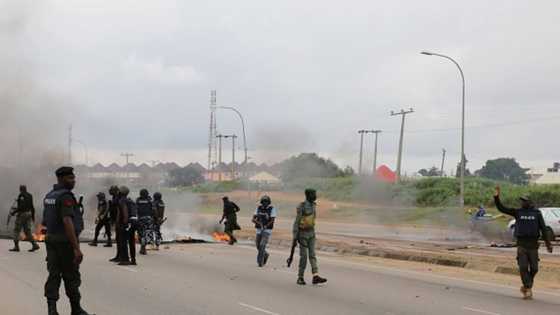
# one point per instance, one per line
(132, 209)
(307, 221)
(263, 216)
(145, 208)
(527, 223)
(51, 213)
(159, 208)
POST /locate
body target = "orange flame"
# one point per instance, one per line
(40, 233)
(220, 237)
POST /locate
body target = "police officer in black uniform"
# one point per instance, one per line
(126, 223)
(113, 216)
(159, 213)
(102, 221)
(64, 222)
(25, 217)
(529, 226)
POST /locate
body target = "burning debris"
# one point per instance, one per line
(220, 237)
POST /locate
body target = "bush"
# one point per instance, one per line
(225, 186)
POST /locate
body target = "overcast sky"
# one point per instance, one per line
(136, 76)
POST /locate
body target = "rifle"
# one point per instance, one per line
(294, 244)
(13, 208)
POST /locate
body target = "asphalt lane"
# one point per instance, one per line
(222, 279)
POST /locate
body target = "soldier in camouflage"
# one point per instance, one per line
(304, 231)
(25, 217)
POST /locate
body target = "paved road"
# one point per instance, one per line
(219, 279)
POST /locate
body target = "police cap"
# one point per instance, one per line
(64, 171)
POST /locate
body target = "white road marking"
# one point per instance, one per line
(257, 309)
(479, 311)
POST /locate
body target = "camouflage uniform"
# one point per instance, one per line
(159, 209)
(304, 228)
(25, 215)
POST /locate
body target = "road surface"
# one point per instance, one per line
(220, 279)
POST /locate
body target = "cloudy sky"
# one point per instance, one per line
(135, 76)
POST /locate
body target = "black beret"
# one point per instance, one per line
(64, 171)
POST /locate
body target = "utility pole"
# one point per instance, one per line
(442, 161)
(361, 132)
(220, 136)
(233, 137)
(212, 134)
(403, 113)
(70, 145)
(376, 132)
(127, 155)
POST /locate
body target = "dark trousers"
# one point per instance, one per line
(61, 266)
(126, 242)
(261, 241)
(528, 262)
(103, 224)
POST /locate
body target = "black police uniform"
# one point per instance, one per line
(145, 221)
(104, 221)
(159, 212)
(60, 203)
(127, 232)
(529, 226)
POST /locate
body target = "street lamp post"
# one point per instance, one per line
(244, 135)
(462, 194)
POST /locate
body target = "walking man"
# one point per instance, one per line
(25, 217)
(304, 231)
(159, 212)
(102, 220)
(529, 226)
(230, 217)
(264, 223)
(145, 220)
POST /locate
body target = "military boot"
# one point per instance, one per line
(34, 247)
(77, 309)
(16, 247)
(108, 244)
(301, 281)
(318, 280)
(94, 243)
(52, 307)
(143, 250)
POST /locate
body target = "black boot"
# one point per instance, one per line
(109, 243)
(16, 247)
(94, 243)
(34, 247)
(143, 250)
(77, 309)
(52, 307)
(300, 281)
(318, 280)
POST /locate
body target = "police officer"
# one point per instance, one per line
(529, 226)
(159, 212)
(264, 217)
(25, 217)
(102, 220)
(113, 217)
(304, 231)
(230, 217)
(64, 222)
(145, 220)
(126, 223)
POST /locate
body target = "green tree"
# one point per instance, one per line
(504, 169)
(185, 176)
(433, 171)
(308, 165)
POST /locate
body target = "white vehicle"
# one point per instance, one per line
(551, 219)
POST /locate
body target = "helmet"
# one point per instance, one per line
(113, 190)
(101, 195)
(124, 191)
(157, 195)
(265, 200)
(144, 193)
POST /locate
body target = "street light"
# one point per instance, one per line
(243, 126)
(462, 195)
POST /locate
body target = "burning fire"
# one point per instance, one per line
(220, 237)
(40, 233)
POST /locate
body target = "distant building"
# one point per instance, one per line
(265, 178)
(549, 176)
(385, 174)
